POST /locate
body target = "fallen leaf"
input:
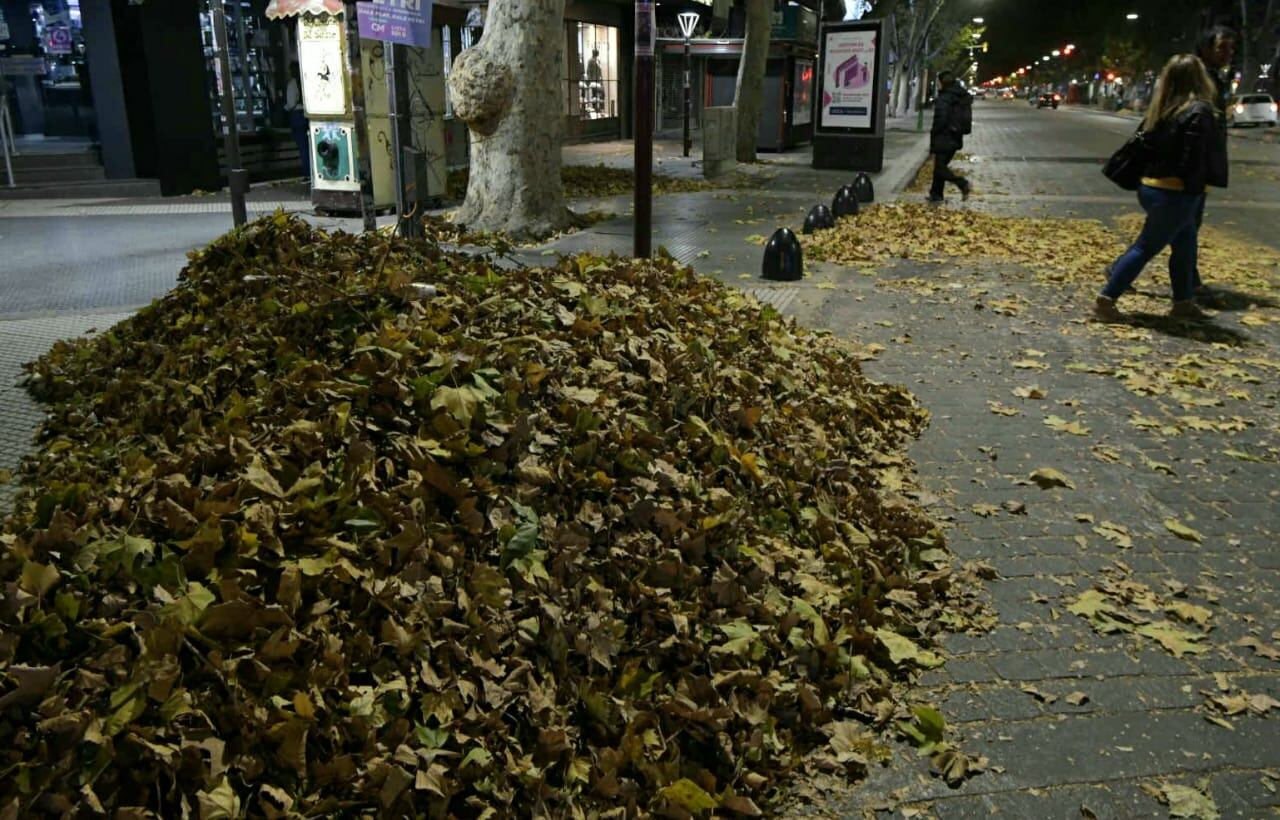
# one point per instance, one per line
(1181, 530)
(1047, 477)
(1176, 640)
(902, 650)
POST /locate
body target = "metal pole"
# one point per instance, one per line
(688, 98)
(237, 177)
(355, 72)
(644, 105)
(920, 98)
(401, 133)
(6, 135)
(245, 77)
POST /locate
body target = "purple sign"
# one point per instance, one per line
(405, 22)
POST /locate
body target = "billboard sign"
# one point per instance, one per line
(403, 22)
(851, 94)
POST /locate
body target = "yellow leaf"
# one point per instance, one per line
(1182, 531)
(1047, 477)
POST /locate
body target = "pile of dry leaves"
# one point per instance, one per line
(601, 537)
(1060, 250)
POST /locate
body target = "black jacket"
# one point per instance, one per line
(945, 136)
(1189, 146)
(1222, 87)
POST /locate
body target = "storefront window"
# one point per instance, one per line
(65, 94)
(254, 64)
(597, 85)
(802, 94)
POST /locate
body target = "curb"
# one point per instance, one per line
(911, 163)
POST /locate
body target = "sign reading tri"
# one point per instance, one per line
(405, 22)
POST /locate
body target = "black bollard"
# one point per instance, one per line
(783, 259)
(864, 189)
(845, 202)
(819, 219)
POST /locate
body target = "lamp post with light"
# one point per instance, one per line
(688, 23)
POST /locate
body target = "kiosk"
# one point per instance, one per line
(326, 96)
(849, 132)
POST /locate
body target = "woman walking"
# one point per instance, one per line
(1182, 158)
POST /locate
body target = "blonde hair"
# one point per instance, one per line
(1183, 82)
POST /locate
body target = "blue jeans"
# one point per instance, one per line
(1171, 221)
(1195, 278)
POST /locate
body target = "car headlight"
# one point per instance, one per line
(1239, 109)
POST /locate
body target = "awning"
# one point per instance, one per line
(277, 9)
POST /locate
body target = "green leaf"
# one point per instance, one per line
(930, 722)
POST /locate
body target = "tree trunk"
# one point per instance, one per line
(748, 99)
(1248, 74)
(508, 89)
(897, 95)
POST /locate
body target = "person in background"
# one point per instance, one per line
(1216, 49)
(298, 118)
(947, 136)
(1183, 139)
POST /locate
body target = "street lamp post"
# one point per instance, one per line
(646, 26)
(688, 23)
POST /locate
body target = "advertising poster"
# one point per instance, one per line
(323, 64)
(406, 22)
(848, 80)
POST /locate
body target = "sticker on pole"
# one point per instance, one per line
(403, 22)
(646, 28)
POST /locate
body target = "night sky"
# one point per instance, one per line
(1020, 31)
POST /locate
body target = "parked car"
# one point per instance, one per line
(1252, 109)
(1047, 100)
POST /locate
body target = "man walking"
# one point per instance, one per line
(1216, 49)
(952, 119)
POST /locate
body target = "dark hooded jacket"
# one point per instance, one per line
(945, 135)
(1218, 161)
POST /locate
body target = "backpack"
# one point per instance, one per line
(962, 113)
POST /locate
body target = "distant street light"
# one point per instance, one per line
(1045, 58)
(1131, 16)
(1057, 53)
(979, 20)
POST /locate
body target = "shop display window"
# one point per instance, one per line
(253, 66)
(597, 81)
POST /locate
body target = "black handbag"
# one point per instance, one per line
(1127, 164)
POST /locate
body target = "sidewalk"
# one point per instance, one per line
(1149, 424)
